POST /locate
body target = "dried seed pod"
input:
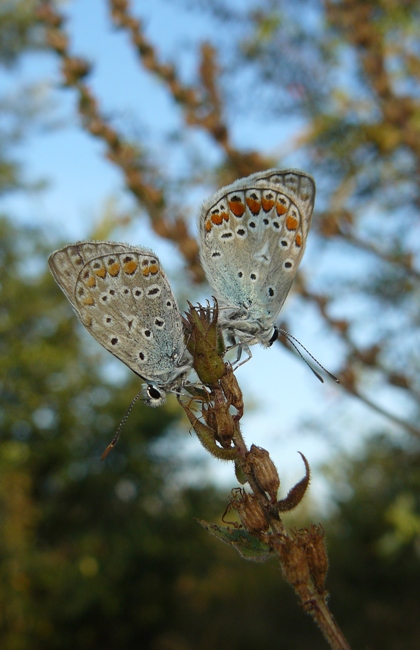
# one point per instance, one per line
(250, 512)
(207, 437)
(204, 343)
(317, 556)
(264, 471)
(221, 421)
(295, 568)
(232, 391)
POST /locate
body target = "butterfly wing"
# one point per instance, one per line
(252, 238)
(122, 297)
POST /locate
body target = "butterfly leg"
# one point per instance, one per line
(242, 347)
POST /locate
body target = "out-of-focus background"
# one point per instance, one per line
(116, 120)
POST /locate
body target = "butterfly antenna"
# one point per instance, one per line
(293, 340)
(121, 426)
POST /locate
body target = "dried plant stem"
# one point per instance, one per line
(322, 616)
(302, 554)
(313, 602)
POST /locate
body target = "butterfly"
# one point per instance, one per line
(121, 295)
(252, 238)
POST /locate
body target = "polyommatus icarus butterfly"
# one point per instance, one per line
(252, 238)
(122, 297)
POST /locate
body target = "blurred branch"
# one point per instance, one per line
(338, 222)
(202, 106)
(368, 358)
(359, 22)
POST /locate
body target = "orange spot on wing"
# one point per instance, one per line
(130, 267)
(114, 269)
(291, 223)
(208, 225)
(91, 281)
(237, 207)
(146, 271)
(101, 273)
(298, 240)
(225, 216)
(89, 301)
(217, 218)
(253, 205)
(154, 268)
(267, 204)
(280, 208)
